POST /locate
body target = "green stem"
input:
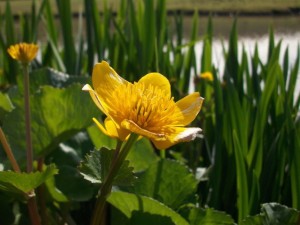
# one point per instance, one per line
(31, 204)
(98, 215)
(162, 154)
(9, 152)
(33, 210)
(29, 152)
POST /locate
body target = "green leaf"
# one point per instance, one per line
(5, 105)
(160, 181)
(142, 155)
(140, 217)
(55, 118)
(96, 167)
(55, 193)
(242, 184)
(274, 214)
(208, 217)
(129, 204)
(64, 9)
(22, 183)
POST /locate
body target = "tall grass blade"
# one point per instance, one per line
(271, 43)
(242, 184)
(148, 33)
(206, 58)
(255, 154)
(231, 64)
(64, 9)
(294, 75)
(218, 150)
(11, 68)
(190, 61)
(295, 166)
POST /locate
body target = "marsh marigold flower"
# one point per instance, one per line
(144, 107)
(23, 52)
(207, 76)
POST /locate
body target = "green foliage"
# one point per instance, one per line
(128, 204)
(160, 182)
(22, 183)
(96, 166)
(208, 217)
(274, 214)
(5, 106)
(50, 125)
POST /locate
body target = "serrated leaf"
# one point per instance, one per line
(96, 167)
(22, 183)
(129, 204)
(54, 118)
(160, 181)
(274, 214)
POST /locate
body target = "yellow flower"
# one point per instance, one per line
(23, 52)
(144, 107)
(207, 76)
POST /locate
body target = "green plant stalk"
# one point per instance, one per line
(29, 152)
(9, 152)
(31, 204)
(98, 214)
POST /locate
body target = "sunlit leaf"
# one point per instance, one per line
(129, 204)
(55, 117)
(167, 181)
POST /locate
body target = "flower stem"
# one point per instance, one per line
(98, 215)
(33, 210)
(9, 152)
(31, 204)
(29, 152)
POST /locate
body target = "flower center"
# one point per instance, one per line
(149, 107)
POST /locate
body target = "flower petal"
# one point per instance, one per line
(179, 134)
(157, 80)
(95, 97)
(190, 107)
(133, 127)
(105, 79)
(101, 127)
(111, 129)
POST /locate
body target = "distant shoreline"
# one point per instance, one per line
(216, 13)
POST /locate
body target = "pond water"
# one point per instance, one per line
(251, 31)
